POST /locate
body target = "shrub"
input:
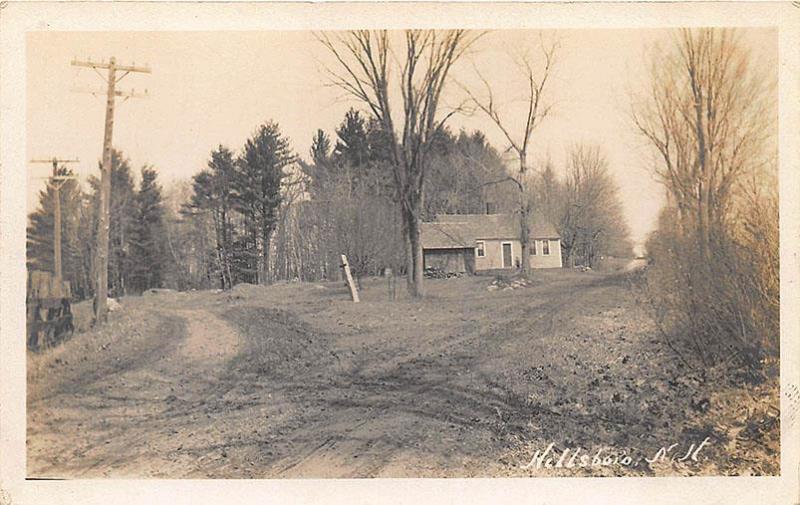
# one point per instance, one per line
(719, 307)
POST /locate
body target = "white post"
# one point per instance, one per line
(391, 282)
(349, 277)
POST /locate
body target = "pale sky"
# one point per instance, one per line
(211, 88)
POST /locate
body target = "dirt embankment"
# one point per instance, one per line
(295, 381)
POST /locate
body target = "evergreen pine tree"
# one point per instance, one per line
(213, 196)
(352, 147)
(320, 171)
(320, 148)
(147, 254)
(257, 190)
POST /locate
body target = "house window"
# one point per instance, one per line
(545, 247)
(480, 250)
(533, 247)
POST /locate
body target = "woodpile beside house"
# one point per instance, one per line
(439, 273)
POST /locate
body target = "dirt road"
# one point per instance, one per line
(294, 381)
(126, 418)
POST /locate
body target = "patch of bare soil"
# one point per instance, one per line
(296, 381)
(208, 339)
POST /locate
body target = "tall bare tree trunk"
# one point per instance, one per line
(524, 217)
(415, 253)
(409, 250)
(526, 240)
(219, 232)
(702, 162)
(264, 270)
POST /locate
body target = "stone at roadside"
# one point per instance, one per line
(113, 305)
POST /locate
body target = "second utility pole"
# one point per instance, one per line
(101, 258)
(57, 181)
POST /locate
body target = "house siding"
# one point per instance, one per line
(553, 260)
(494, 254)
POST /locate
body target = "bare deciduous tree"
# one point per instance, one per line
(707, 116)
(592, 223)
(536, 110)
(367, 61)
(710, 117)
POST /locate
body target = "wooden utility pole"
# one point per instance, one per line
(101, 258)
(58, 181)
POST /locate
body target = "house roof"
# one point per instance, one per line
(439, 235)
(455, 231)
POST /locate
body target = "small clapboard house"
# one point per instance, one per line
(474, 242)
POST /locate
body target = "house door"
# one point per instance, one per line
(506, 255)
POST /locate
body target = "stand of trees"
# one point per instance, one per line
(710, 117)
(239, 198)
(136, 258)
(341, 201)
(349, 206)
(591, 222)
(585, 207)
(265, 214)
(466, 175)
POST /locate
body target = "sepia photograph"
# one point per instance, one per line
(384, 252)
(413, 253)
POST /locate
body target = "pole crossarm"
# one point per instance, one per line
(54, 160)
(58, 178)
(124, 94)
(107, 65)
